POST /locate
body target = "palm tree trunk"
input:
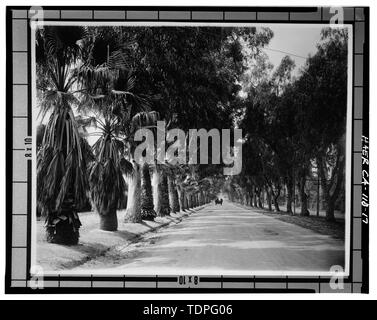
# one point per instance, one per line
(160, 183)
(173, 196)
(63, 227)
(155, 187)
(147, 210)
(133, 212)
(109, 220)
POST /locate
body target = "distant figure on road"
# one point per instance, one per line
(219, 201)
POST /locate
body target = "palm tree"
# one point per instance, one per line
(40, 134)
(61, 164)
(105, 174)
(108, 89)
(147, 211)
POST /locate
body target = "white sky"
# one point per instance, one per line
(298, 40)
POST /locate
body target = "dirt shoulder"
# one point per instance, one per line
(95, 243)
(335, 229)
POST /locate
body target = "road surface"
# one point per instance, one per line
(226, 239)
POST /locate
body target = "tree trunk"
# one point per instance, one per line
(63, 227)
(201, 198)
(289, 194)
(335, 183)
(163, 208)
(109, 220)
(251, 196)
(255, 198)
(244, 197)
(187, 200)
(173, 196)
(181, 198)
(260, 202)
(330, 211)
(269, 199)
(276, 203)
(303, 196)
(156, 178)
(133, 211)
(147, 210)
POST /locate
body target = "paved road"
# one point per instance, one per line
(227, 240)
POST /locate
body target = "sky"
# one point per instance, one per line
(297, 40)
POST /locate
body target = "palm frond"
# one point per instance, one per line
(61, 164)
(144, 119)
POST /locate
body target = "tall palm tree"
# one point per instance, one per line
(61, 164)
(105, 174)
(108, 89)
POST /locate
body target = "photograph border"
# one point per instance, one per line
(358, 279)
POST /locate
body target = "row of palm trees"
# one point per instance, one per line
(86, 88)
